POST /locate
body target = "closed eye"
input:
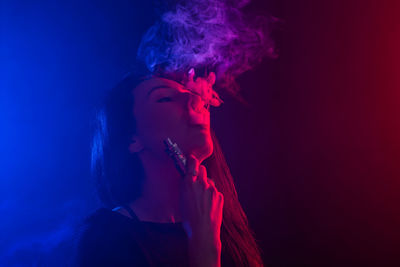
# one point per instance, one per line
(164, 99)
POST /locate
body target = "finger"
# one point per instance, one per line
(212, 187)
(192, 168)
(221, 205)
(191, 74)
(211, 182)
(211, 78)
(221, 199)
(202, 177)
(217, 204)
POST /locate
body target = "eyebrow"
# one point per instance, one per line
(157, 87)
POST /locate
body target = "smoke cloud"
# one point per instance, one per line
(211, 35)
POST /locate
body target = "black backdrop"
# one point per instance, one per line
(314, 157)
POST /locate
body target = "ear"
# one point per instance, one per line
(135, 145)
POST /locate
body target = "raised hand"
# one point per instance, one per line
(201, 206)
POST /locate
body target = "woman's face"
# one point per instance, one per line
(165, 108)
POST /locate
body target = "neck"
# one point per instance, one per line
(159, 201)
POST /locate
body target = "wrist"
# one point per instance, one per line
(209, 244)
(204, 252)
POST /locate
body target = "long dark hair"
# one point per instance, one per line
(118, 175)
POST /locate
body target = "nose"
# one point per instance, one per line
(196, 112)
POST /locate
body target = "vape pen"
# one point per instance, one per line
(176, 154)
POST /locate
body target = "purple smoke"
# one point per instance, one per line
(208, 34)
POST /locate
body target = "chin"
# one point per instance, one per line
(201, 149)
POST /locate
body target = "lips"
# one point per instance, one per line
(199, 118)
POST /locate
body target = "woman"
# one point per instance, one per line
(152, 216)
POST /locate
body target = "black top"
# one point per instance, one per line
(108, 238)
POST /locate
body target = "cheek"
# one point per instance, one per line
(160, 121)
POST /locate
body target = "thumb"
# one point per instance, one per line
(192, 168)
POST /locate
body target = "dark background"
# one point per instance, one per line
(315, 157)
